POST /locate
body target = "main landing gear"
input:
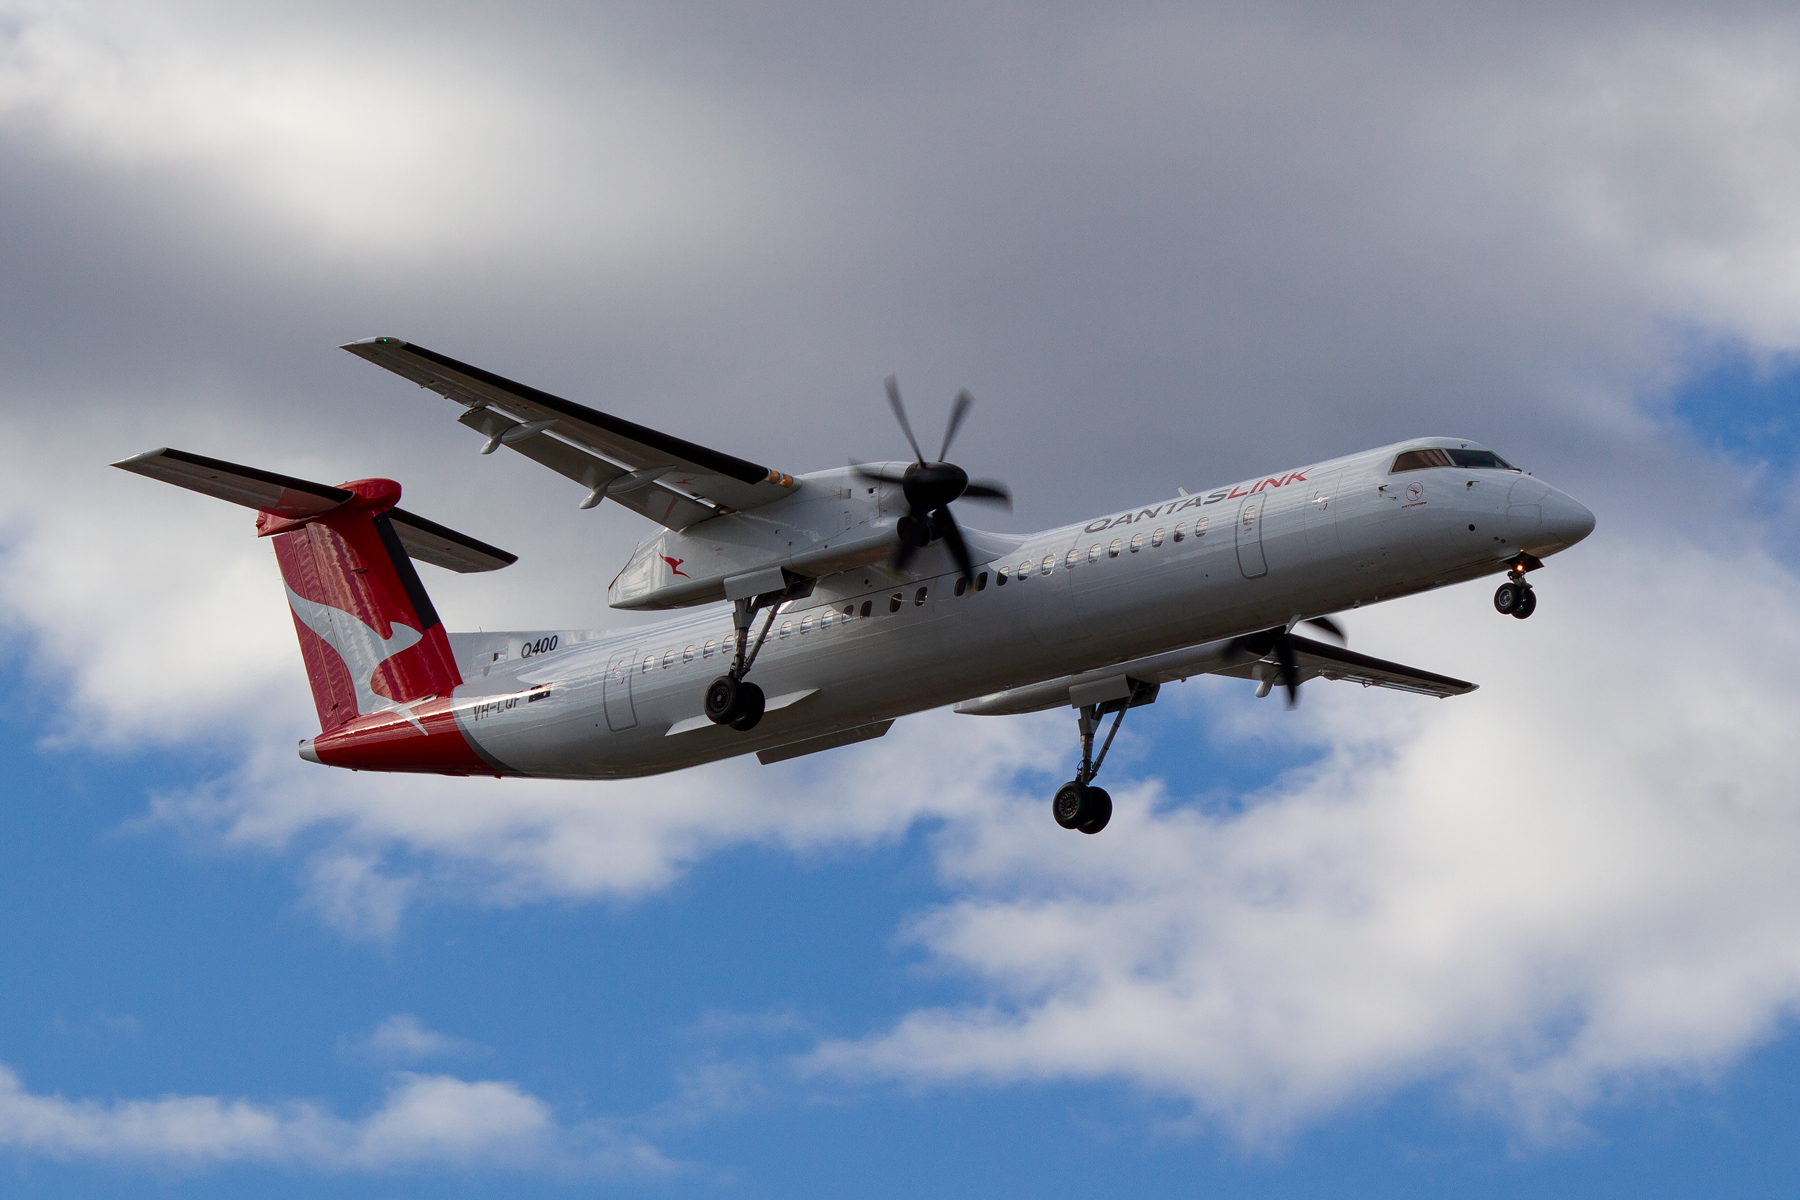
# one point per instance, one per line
(1515, 597)
(1078, 804)
(730, 699)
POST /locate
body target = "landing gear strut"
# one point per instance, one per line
(1515, 597)
(1078, 804)
(730, 699)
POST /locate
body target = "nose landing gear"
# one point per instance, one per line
(1078, 804)
(1515, 597)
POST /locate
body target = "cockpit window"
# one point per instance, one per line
(1480, 459)
(1419, 460)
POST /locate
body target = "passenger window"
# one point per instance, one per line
(919, 597)
(1156, 537)
(867, 605)
(1181, 531)
(687, 656)
(850, 610)
(981, 582)
(825, 620)
(1025, 569)
(787, 627)
(1094, 552)
(649, 661)
(1112, 551)
(1071, 558)
(1048, 565)
(706, 651)
(1000, 577)
(962, 585)
(894, 602)
(806, 623)
(1200, 524)
(1419, 460)
(1137, 542)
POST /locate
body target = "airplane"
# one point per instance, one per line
(827, 605)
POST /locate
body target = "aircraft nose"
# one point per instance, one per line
(1566, 519)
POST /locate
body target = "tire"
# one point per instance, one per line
(1070, 805)
(750, 707)
(1506, 598)
(1100, 809)
(724, 699)
(1527, 604)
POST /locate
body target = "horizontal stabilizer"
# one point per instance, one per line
(299, 499)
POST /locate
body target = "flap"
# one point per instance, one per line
(682, 482)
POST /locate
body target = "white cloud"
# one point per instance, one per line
(402, 1038)
(1577, 879)
(357, 146)
(425, 1122)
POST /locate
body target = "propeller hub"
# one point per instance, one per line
(932, 485)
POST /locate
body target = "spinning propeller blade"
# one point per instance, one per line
(893, 394)
(931, 487)
(1280, 643)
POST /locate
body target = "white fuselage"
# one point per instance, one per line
(1248, 557)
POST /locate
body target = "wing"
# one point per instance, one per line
(672, 481)
(1315, 660)
(1322, 660)
(296, 499)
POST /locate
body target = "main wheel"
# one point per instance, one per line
(724, 697)
(1527, 604)
(1099, 808)
(1506, 597)
(750, 707)
(1070, 807)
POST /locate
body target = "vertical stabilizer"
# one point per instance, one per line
(371, 639)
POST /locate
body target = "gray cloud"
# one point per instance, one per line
(1163, 245)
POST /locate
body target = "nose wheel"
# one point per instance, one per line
(1515, 597)
(1515, 600)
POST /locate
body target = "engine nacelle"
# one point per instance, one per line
(834, 521)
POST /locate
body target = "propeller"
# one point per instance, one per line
(1280, 642)
(931, 487)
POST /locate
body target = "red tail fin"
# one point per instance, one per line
(368, 632)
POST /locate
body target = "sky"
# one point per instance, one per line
(1543, 939)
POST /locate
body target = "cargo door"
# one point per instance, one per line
(616, 691)
(1249, 536)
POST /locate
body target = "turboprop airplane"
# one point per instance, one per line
(874, 602)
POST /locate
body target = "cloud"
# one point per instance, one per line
(1573, 882)
(401, 1038)
(426, 1122)
(1163, 246)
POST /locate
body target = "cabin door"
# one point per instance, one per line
(617, 690)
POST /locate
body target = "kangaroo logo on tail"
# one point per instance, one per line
(362, 649)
